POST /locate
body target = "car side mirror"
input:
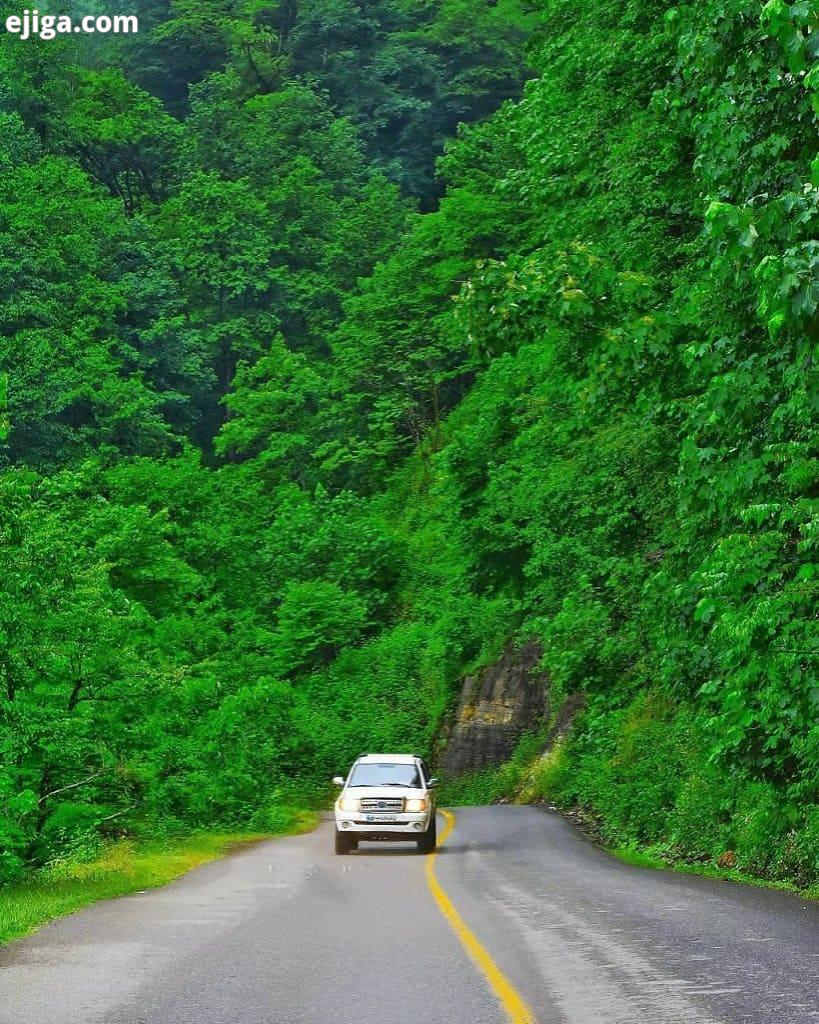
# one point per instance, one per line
(433, 784)
(338, 780)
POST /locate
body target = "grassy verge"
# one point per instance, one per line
(656, 862)
(123, 867)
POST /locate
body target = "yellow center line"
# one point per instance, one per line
(507, 995)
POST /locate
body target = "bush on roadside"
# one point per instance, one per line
(700, 825)
(548, 777)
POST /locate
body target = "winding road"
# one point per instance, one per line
(518, 918)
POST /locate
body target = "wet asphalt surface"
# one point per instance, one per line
(288, 933)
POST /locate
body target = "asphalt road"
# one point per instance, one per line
(287, 933)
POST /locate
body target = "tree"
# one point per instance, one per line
(72, 381)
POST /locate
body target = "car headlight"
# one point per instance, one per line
(416, 804)
(347, 803)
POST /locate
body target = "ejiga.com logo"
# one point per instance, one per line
(32, 24)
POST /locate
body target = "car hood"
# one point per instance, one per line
(382, 792)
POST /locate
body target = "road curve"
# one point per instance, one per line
(287, 933)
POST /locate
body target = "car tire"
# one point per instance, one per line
(343, 843)
(428, 841)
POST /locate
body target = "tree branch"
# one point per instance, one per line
(72, 785)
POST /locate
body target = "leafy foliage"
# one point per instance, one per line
(284, 457)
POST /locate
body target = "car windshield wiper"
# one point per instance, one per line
(375, 785)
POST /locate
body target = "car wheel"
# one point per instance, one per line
(343, 843)
(427, 842)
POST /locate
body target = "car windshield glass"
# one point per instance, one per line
(371, 773)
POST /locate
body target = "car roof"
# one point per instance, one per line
(388, 758)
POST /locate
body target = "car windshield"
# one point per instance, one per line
(374, 773)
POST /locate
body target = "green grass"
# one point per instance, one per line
(646, 859)
(123, 867)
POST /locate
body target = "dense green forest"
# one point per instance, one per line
(345, 342)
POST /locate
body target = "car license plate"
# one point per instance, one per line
(382, 817)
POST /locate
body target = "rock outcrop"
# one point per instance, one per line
(496, 706)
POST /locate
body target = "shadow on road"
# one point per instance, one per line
(466, 847)
(405, 850)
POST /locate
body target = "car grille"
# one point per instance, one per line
(389, 805)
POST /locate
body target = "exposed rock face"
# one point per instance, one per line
(496, 706)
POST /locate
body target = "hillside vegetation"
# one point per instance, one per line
(298, 433)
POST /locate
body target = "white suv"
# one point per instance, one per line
(386, 798)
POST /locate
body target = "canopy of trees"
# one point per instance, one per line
(297, 429)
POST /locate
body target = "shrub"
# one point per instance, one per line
(549, 776)
(700, 824)
(762, 823)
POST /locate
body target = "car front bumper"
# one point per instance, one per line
(403, 828)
